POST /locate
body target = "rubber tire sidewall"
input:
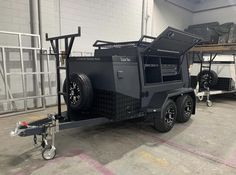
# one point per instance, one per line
(48, 148)
(159, 121)
(86, 91)
(180, 103)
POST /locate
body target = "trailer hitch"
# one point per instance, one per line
(44, 128)
(20, 127)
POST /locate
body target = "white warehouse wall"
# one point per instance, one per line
(50, 19)
(108, 20)
(222, 15)
(104, 20)
(15, 16)
(166, 14)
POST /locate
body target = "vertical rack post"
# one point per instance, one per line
(58, 76)
(67, 77)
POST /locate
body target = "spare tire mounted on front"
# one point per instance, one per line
(80, 92)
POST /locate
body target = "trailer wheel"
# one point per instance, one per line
(166, 121)
(207, 79)
(49, 153)
(80, 92)
(184, 108)
(209, 103)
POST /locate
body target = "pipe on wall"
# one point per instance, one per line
(40, 21)
(143, 18)
(36, 19)
(41, 51)
(34, 22)
(146, 19)
(36, 28)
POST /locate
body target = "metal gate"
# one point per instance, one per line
(27, 77)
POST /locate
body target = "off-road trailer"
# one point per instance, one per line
(121, 81)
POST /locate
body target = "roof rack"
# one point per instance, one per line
(107, 44)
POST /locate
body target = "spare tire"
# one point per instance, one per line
(207, 79)
(80, 92)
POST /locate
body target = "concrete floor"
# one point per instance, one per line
(204, 145)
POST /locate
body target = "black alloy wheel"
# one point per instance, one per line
(166, 121)
(184, 107)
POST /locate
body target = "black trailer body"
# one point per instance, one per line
(131, 79)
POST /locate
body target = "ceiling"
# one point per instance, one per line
(202, 5)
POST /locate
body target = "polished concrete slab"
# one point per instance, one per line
(204, 145)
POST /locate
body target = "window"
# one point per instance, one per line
(161, 69)
(152, 69)
(170, 69)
